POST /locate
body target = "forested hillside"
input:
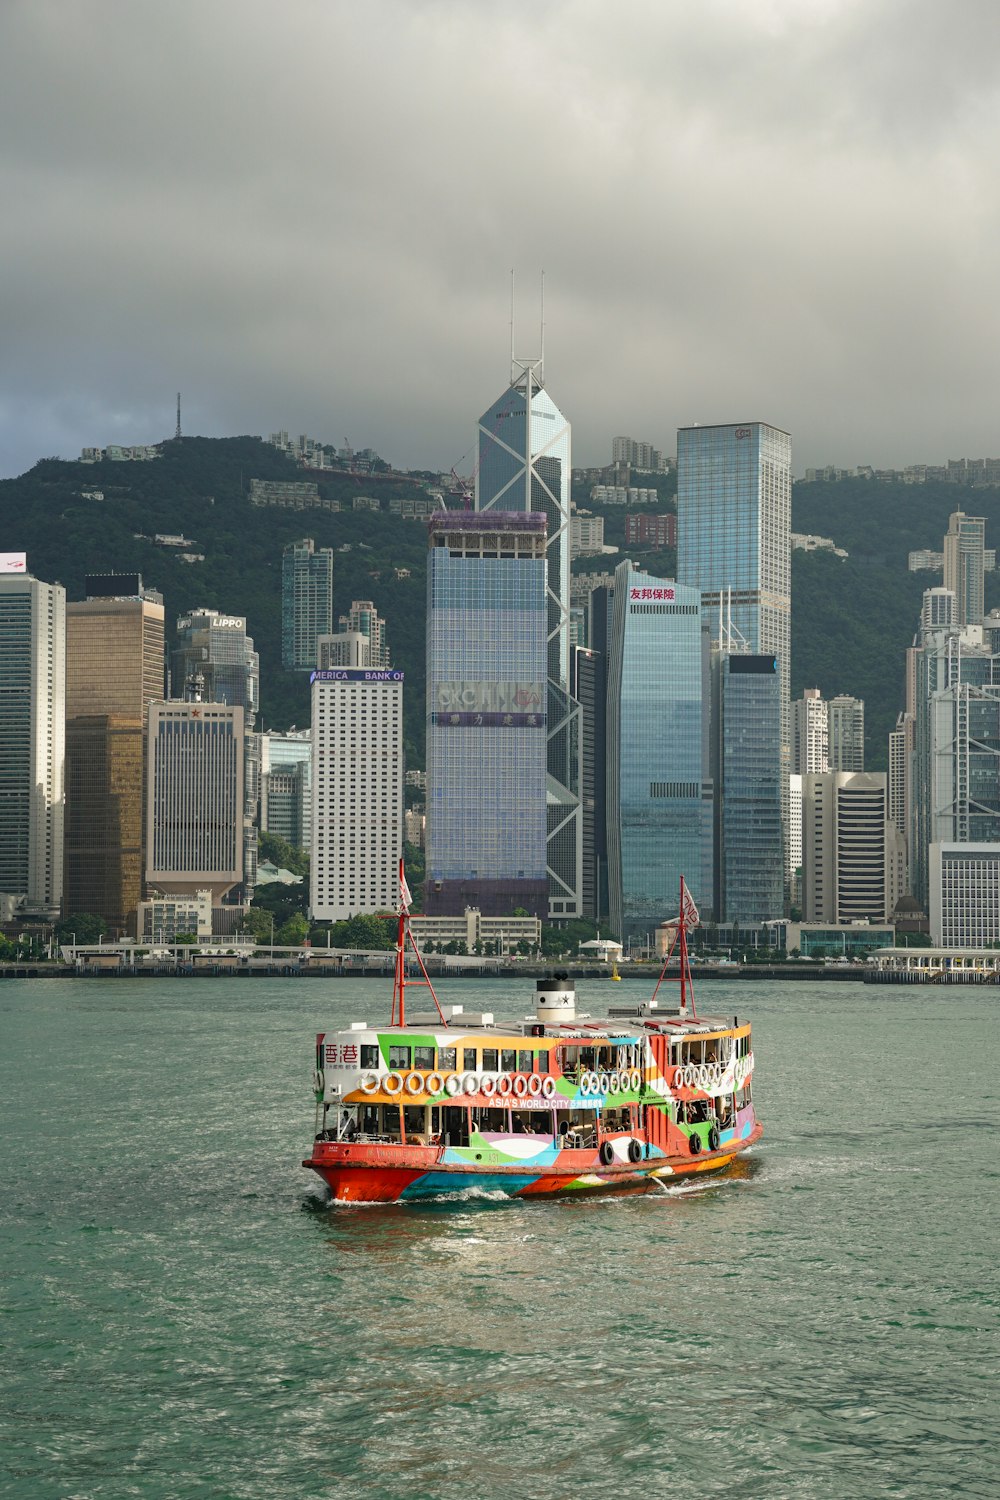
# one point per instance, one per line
(852, 618)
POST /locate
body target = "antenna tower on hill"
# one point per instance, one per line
(178, 432)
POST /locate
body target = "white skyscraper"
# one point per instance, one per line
(810, 734)
(32, 740)
(357, 792)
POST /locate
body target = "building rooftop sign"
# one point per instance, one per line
(354, 674)
(13, 562)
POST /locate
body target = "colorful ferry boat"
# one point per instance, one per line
(556, 1103)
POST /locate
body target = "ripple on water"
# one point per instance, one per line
(183, 1313)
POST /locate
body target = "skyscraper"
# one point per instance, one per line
(964, 564)
(306, 602)
(114, 670)
(746, 771)
(846, 719)
(524, 466)
(852, 854)
(32, 742)
(216, 648)
(810, 734)
(286, 786)
(357, 792)
(658, 790)
(486, 714)
(195, 798)
(364, 619)
(734, 490)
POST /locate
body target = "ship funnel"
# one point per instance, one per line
(555, 1000)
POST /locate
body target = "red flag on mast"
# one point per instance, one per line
(689, 910)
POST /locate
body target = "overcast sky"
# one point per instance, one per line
(305, 214)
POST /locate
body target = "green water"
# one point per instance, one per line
(181, 1315)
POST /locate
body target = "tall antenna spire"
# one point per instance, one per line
(178, 432)
(512, 322)
(541, 358)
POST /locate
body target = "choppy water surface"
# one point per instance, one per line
(182, 1315)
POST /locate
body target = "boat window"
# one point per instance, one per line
(493, 1121)
(423, 1057)
(469, 1057)
(399, 1057)
(447, 1059)
(489, 1059)
(508, 1060)
(525, 1062)
(369, 1055)
(369, 1119)
(587, 1057)
(413, 1122)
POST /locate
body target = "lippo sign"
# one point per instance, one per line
(651, 596)
(13, 562)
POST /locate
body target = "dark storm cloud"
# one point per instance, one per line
(304, 216)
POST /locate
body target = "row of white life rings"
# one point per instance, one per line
(704, 1076)
(744, 1067)
(520, 1085)
(624, 1082)
(708, 1076)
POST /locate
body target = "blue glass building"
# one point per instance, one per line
(734, 506)
(746, 766)
(658, 793)
(486, 714)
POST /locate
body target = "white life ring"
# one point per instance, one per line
(635, 1080)
(470, 1083)
(370, 1084)
(488, 1085)
(435, 1083)
(548, 1086)
(503, 1085)
(414, 1079)
(611, 1083)
(520, 1085)
(623, 1080)
(588, 1083)
(389, 1080)
(535, 1085)
(602, 1083)
(319, 1082)
(452, 1085)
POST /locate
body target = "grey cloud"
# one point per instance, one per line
(306, 217)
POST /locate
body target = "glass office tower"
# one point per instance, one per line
(659, 797)
(749, 867)
(486, 714)
(524, 466)
(734, 503)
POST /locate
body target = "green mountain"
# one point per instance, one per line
(199, 488)
(852, 618)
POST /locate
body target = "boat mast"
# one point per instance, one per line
(399, 982)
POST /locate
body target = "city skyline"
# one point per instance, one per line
(170, 256)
